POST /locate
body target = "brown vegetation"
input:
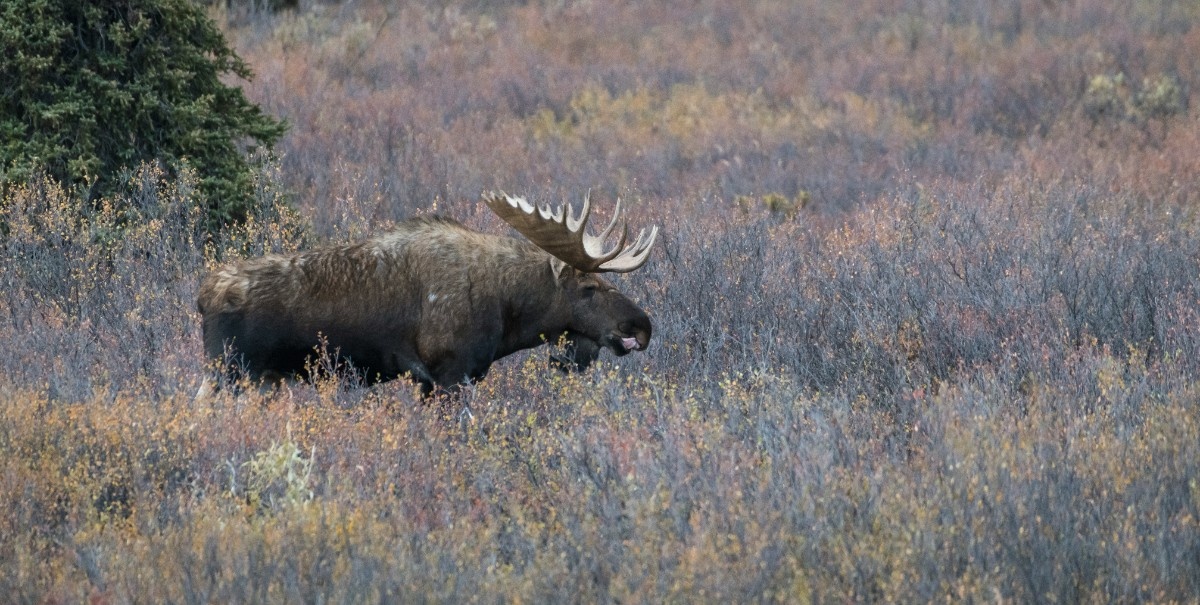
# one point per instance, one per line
(926, 304)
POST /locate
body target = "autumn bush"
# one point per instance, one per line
(925, 309)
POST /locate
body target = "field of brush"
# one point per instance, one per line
(926, 306)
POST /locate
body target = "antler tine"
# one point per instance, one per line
(563, 234)
(633, 256)
(575, 225)
(594, 244)
(550, 213)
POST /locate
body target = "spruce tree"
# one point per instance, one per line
(89, 88)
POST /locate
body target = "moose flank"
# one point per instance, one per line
(432, 299)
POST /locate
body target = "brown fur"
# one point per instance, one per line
(432, 299)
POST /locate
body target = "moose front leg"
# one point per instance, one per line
(578, 352)
(397, 363)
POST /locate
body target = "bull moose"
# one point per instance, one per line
(431, 299)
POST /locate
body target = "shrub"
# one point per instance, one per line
(1109, 99)
(277, 477)
(120, 275)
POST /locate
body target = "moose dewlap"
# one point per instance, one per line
(431, 299)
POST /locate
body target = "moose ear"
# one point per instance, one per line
(557, 267)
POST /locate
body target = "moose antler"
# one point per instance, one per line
(562, 235)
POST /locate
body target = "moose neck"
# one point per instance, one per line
(537, 310)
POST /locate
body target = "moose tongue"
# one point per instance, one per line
(630, 344)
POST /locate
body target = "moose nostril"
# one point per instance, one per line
(643, 339)
(637, 326)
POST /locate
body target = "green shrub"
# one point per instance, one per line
(278, 477)
(1111, 98)
(95, 88)
(1161, 96)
